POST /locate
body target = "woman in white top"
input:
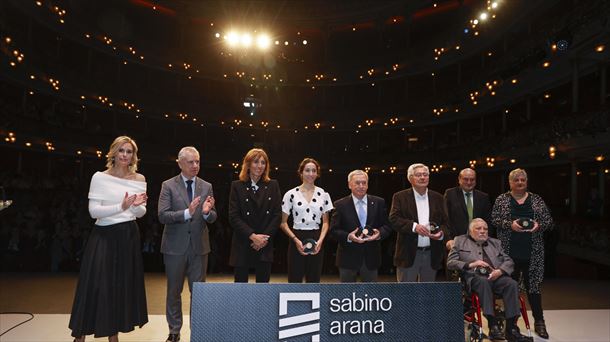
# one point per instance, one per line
(110, 296)
(309, 207)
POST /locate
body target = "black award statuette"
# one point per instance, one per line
(309, 246)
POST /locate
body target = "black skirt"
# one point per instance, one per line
(110, 295)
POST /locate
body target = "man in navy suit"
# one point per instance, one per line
(464, 203)
(358, 252)
(186, 206)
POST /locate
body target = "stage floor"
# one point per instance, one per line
(575, 310)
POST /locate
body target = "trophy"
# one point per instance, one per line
(4, 203)
(309, 246)
(364, 232)
(433, 227)
(482, 271)
(526, 223)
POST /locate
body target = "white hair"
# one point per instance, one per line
(184, 150)
(475, 221)
(356, 173)
(412, 168)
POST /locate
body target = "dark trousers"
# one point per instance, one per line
(504, 286)
(308, 266)
(193, 267)
(262, 270)
(347, 275)
(535, 299)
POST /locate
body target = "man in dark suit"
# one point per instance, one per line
(486, 269)
(186, 205)
(464, 203)
(358, 253)
(419, 217)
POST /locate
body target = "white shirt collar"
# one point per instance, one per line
(184, 179)
(418, 196)
(356, 200)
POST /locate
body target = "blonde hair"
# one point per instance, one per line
(516, 172)
(253, 155)
(114, 149)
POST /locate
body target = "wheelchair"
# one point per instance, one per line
(475, 322)
(473, 315)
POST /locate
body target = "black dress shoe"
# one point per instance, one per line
(173, 338)
(540, 328)
(514, 335)
(495, 333)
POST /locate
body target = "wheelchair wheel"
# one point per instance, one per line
(475, 335)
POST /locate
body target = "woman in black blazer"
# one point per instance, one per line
(254, 214)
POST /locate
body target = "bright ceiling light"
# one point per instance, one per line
(263, 41)
(494, 5)
(246, 40)
(232, 38)
(483, 16)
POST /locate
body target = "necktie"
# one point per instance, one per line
(469, 205)
(361, 213)
(189, 189)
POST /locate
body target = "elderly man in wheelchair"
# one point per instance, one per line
(486, 270)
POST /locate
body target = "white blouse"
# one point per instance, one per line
(306, 215)
(106, 195)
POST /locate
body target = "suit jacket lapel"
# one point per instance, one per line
(199, 189)
(462, 200)
(352, 208)
(182, 190)
(411, 203)
(370, 210)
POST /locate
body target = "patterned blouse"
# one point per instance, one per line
(501, 219)
(306, 215)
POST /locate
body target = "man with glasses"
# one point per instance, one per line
(418, 215)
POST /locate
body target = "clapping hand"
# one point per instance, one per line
(128, 201)
(208, 204)
(194, 204)
(140, 199)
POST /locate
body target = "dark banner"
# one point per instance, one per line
(327, 312)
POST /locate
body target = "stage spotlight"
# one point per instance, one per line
(483, 16)
(232, 39)
(304, 42)
(562, 45)
(263, 41)
(246, 40)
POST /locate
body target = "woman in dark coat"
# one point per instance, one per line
(255, 212)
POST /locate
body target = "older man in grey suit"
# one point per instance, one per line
(486, 269)
(186, 205)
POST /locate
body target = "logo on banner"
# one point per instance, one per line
(302, 324)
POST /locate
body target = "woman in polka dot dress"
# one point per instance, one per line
(309, 207)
